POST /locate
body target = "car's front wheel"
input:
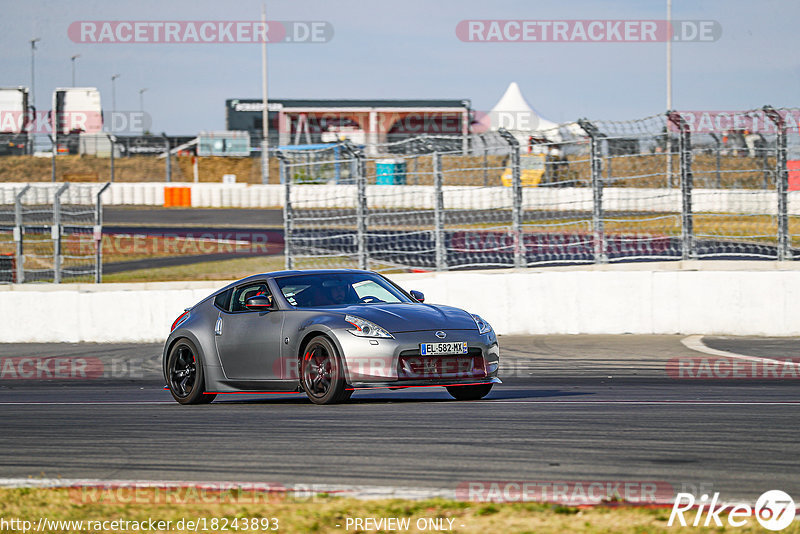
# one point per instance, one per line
(322, 374)
(185, 377)
(469, 392)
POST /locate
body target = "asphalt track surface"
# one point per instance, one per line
(571, 408)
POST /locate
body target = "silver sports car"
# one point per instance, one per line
(327, 333)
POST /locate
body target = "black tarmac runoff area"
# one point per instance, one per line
(582, 408)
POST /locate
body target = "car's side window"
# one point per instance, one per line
(242, 293)
(223, 300)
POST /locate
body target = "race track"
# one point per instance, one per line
(571, 408)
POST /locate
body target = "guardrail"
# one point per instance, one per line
(744, 201)
(749, 298)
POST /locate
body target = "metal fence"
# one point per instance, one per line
(660, 188)
(51, 233)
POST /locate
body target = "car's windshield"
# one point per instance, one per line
(338, 289)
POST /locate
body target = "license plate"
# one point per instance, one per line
(452, 347)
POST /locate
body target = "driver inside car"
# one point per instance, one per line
(337, 294)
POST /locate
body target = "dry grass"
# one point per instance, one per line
(133, 169)
(233, 269)
(760, 228)
(322, 514)
(642, 170)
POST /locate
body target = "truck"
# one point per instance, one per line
(14, 120)
(76, 111)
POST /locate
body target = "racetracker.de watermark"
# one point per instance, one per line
(68, 368)
(705, 367)
(64, 122)
(239, 493)
(178, 494)
(199, 31)
(186, 243)
(566, 492)
(587, 31)
(720, 121)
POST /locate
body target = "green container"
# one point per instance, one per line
(390, 172)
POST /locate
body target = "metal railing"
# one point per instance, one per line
(657, 188)
(51, 233)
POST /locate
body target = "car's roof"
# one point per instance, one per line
(277, 274)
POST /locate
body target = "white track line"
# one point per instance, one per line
(487, 401)
(695, 343)
(650, 403)
(87, 403)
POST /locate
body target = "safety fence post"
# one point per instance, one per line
(168, 157)
(360, 168)
(685, 158)
(286, 180)
(55, 233)
(97, 234)
(781, 183)
(54, 153)
(516, 205)
(19, 231)
(438, 213)
(595, 153)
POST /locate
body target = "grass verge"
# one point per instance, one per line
(323, 514)
(233, 269)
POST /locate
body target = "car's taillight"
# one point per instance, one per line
(182, 317)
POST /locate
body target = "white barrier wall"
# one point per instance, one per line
(759, 298)
(214, 195)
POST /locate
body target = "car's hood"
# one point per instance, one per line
(412, 317)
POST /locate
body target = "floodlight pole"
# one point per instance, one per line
(32, 94)
(265, 111)
(33, 70)
(668, 144)
(72, 59)
(113, 98)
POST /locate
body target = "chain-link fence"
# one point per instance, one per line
(659, 188)
(51, 233)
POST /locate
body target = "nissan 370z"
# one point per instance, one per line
(327, 333)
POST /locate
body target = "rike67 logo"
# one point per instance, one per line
(774, 510)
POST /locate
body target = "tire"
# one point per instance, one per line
(185, 378)
(465, 393)
(322, 374)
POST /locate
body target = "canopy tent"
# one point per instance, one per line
(516, 115)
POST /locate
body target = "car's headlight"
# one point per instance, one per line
(483, 326)
(365, 328)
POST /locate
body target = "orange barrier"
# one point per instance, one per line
(177, 197)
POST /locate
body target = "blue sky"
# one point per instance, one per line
(409, 49)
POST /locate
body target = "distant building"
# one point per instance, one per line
(365, 122)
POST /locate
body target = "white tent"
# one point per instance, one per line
(513, 113)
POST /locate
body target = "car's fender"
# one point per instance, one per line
(306, 325)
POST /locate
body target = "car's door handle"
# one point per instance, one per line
(218, 326)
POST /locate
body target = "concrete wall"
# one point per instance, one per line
(725, 298)
(206, 195)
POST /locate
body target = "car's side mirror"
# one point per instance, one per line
(418, 295)
(258, 303)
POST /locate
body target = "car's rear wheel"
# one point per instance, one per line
(469, 392)
(321, 373)
(185, 377)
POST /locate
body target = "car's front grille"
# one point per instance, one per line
(411, 365)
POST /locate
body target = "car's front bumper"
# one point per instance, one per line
(383, 362)
(400, 384)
